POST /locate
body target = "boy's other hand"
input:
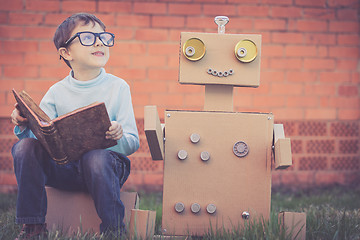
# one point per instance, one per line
(17, 118)
(115, 131)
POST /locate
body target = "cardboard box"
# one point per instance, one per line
(71, 211)
(283, 156)
(294, 224)
(142, 224)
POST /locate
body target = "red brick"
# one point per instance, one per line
(286, 63)
(25, 18)
(55, 18)
(16, 32)
(54, 72)
(302, 102)
(219, 9)
(150, 87)
(140, 99)
(279, 37)
(272, 51)
(150, 34)
(298, 76)
(39, 32)
(110, 6)
(344, 52)
(320, 113)
(344, 26)
(163, 74)
(311, 26)
(237, 24)
(263, 89)
(122, 33)
(269, 101)
(11, 5)
(298, 51)
(7, 179)
(348, 114)
(195, 101)
(339, 102)
(286, 89)
(274, 2)
(123, 47)
(319, 13)
(4, 17)
(346, 64)
(334, 77)
(269, 24)
(166, 100)
(150, 7)
(175, 87)
(319, 63)
(133, 20)
(320, 38)
(345, 90)
(42, 5)
(272, 76)
(167, 22)
(108, 20)
(119, 60)
(184, 9)
(149, 61)
(43, 59)
(285, 12)
(343, 3)
(163, 49)
(318, 3)
(78, 6)
(355, 77)
(320, 89)
(153, 179)
(348, 39)
(347, 14)
(9, 84)
(20, 46)
(21, 71)
(131, 73)
(11, 58)
(200, 22)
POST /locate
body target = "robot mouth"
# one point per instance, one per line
(220, 73)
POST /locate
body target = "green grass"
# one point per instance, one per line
(332, 213)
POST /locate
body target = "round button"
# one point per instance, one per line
(195, 138)
(195, 208)
(179, 207)
(240, 149)
(211, 208)
(182, 154)
(205, 156)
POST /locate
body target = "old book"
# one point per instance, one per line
(69, 136)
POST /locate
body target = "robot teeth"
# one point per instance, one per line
(219, 73)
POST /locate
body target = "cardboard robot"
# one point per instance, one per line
(217, 169)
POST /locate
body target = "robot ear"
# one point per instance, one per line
(246, 51)
(194, 49)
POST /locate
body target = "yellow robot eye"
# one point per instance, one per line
(245, 51)
(194, 49)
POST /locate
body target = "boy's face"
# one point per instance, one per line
(87, 57)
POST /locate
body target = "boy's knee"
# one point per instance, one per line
(24, 147)
(97, 160)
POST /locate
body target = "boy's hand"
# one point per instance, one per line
(18, 119)
(115, 131)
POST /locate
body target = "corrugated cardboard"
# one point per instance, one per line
(220, 56)
(233, 184)
(294, 224)
(218, 98)
(142, 224)
(283, 156)
(154, 133)
(71, 211)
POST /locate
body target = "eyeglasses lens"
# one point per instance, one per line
(88, 38)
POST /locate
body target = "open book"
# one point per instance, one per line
(69, 136)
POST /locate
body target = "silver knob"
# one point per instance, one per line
(195, 138)
(182, 154)
(195, 208)
(179, 207)
(221, 21)
(205, 156)
(211, 208)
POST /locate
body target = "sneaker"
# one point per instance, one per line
(32, 231)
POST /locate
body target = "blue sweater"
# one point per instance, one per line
(70, 94)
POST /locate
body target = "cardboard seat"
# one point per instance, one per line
(72, 212)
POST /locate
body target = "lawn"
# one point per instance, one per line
(332, 213)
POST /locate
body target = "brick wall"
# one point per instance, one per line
(309, 72)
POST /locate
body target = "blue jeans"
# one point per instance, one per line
(99, 172)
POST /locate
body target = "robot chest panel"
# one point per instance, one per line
(216, 159)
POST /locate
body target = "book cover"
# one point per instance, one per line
(67, 137)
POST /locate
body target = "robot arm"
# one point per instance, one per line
(154, 132)
(282, 148)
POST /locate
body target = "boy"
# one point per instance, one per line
(83, 44)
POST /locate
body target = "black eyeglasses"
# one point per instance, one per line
(89, 38)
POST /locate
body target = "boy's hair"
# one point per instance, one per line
(64, 30)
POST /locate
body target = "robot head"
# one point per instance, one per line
(223, 59)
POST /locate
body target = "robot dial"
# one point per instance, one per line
(246, 51)
(240, 149)
(194, 49)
